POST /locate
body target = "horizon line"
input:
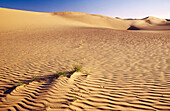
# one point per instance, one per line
(133, 18)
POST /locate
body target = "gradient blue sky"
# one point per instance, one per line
(113, 8)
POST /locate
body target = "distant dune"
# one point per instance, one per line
(74, 19)
(154, 20)
(121, 64)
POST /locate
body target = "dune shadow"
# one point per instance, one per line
(48, 78)
(168, 19)
(133, 28)
(167, 24)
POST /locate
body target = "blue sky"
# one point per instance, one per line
(113, 8)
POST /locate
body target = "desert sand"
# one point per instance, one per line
(125, 63)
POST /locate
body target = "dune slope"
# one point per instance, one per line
(16, 19)
(95, 20)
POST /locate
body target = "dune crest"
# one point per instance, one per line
(155, 20)
(24, 19)
(68, 12)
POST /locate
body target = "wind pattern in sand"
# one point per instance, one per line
(129, 70)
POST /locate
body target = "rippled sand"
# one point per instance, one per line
(129, 70)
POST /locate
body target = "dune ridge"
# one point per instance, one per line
(75, 19)
(122, 70)
(154, 20)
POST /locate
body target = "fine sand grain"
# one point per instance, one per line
(127, 70)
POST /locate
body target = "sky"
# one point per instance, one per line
(112, 8)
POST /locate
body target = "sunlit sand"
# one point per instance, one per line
(125, 63)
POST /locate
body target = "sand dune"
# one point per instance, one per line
(150, 23)
(16, 19)
(95, 20)
(154, 20)
(128, 70)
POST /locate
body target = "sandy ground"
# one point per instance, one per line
(129, 70)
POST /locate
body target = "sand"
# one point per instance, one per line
(129, 70)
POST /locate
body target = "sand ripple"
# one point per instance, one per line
(130, 71)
